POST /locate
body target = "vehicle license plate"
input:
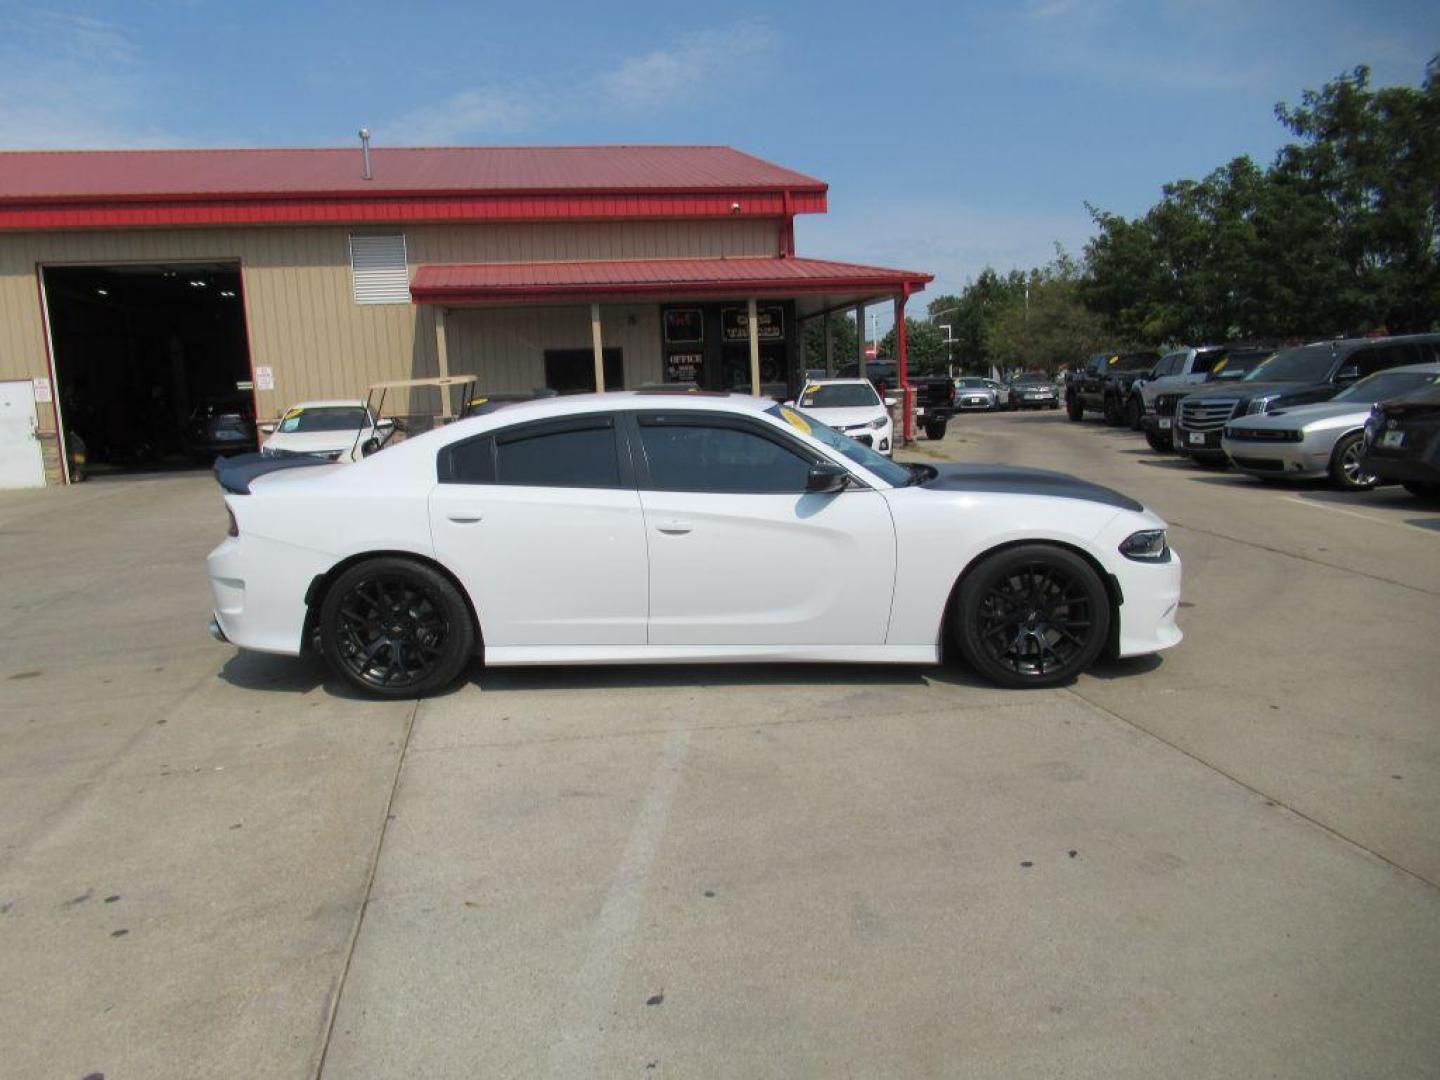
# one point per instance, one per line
(1165, 423)
(919, 412)
(1197, 438)
(1392, 440)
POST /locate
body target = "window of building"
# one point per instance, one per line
(698, 457)
(572, 371)
(379, 269)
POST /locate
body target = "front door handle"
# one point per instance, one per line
(458, 520)
(673, 527)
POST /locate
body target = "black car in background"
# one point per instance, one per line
(1159, 426)
(1402, 442)
(220, 427)
(1103, 384)
(1299, 376)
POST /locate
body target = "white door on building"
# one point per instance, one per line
(21, 465)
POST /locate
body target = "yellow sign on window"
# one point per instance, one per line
(795, 420)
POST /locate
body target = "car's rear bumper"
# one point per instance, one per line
(1401, 470)
(258, 596)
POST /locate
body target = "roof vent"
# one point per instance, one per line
(365, 149)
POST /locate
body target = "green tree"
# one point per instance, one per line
(1054, 329)
(844, 342)
(924, 343)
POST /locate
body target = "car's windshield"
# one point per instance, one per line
(1309, 363)
(301, 421)
(879, 464)
(1131, 362)
(839, 396)
(1030, 377)
(1234, 366)
(1387, 384)
(218, 410)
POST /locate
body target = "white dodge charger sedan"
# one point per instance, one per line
(659, 527)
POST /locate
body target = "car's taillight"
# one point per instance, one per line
(232, 529)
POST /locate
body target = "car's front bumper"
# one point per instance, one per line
(1302, 460)
(1150, 602)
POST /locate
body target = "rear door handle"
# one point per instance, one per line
(673, 527)
(458, 520)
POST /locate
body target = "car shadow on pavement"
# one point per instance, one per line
(1128, 667)
(284, 674)
(634, 676)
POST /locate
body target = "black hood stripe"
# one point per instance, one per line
(1010, 480)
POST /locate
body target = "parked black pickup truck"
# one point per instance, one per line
(1299, 376)
(1103, 384)
(934, 394)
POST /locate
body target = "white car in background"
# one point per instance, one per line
(1324, 439)
(332, 430)
(679, 528)
(852, 407)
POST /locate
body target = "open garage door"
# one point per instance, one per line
(152, 363)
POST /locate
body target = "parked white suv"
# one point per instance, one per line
(852, 407)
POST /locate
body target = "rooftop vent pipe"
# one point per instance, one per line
(365, 149)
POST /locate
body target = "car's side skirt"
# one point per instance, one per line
(520, 655)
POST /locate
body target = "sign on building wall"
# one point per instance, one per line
(683, 367)
(770, 319)
(264, 378)
(42, 391)
(684, 325)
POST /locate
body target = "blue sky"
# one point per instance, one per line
(953, 135)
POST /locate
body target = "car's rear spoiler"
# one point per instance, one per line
(236, 474)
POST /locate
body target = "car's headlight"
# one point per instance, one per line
(1259, 405)
(878, 424)
(1147, 546)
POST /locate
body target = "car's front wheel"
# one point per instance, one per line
(1134, 413)
(1035, 615)
(1346, 469)
(935, 429)
(396, 628)
(1075, 410)
(1159, 443)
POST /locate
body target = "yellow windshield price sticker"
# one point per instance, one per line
(1113, 360)
(292, 414)
(796, 421)
(1220, 364)
(810, 390)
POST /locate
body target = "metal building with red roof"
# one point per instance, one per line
(140, 287)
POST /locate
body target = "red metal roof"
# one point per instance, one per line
(119, 188)
(522, 282)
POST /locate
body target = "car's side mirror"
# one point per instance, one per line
(369, 446)
(1347, 374)
(891, 402)
(789, 404)
(386, 424)
(268, 427)
(827, 477)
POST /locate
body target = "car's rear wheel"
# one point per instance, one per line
(1113, 412)
(396, 628)
(1031, 616)
(935, 429)
(1075, 410)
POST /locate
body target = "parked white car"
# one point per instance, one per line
(1323, 439)
(333, 430)
(852, 407)
(652, 527)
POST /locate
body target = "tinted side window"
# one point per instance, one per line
(690, 457)
(566, 453)
(1380, 357)
(1205, 361)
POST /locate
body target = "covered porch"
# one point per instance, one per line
(717, 323)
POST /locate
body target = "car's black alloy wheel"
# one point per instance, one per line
(1158, 442)
(1075, 411)
(396, 628)
(1345, 464)
(1031, 616)
(1134, 411)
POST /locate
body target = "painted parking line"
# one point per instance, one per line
(1356, 514)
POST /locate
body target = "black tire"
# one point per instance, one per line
(1422, 490)
(1053, 405)
(1134, 413)
(1075, 410)
(1346, 471)
(1160, 443)
(1113, 412)
(396, 628)
(1031, 616)
(935, 429)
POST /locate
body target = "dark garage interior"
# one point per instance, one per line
(152, 363)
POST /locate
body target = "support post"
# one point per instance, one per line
(860, 337)
(752, 317)
(442, 361)
(597, 343)
(902, 367)
(829, 348)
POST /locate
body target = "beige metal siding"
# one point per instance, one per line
(506, 346)
(304, 322)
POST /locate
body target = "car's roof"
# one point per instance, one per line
(619, 400)
(837, 382)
